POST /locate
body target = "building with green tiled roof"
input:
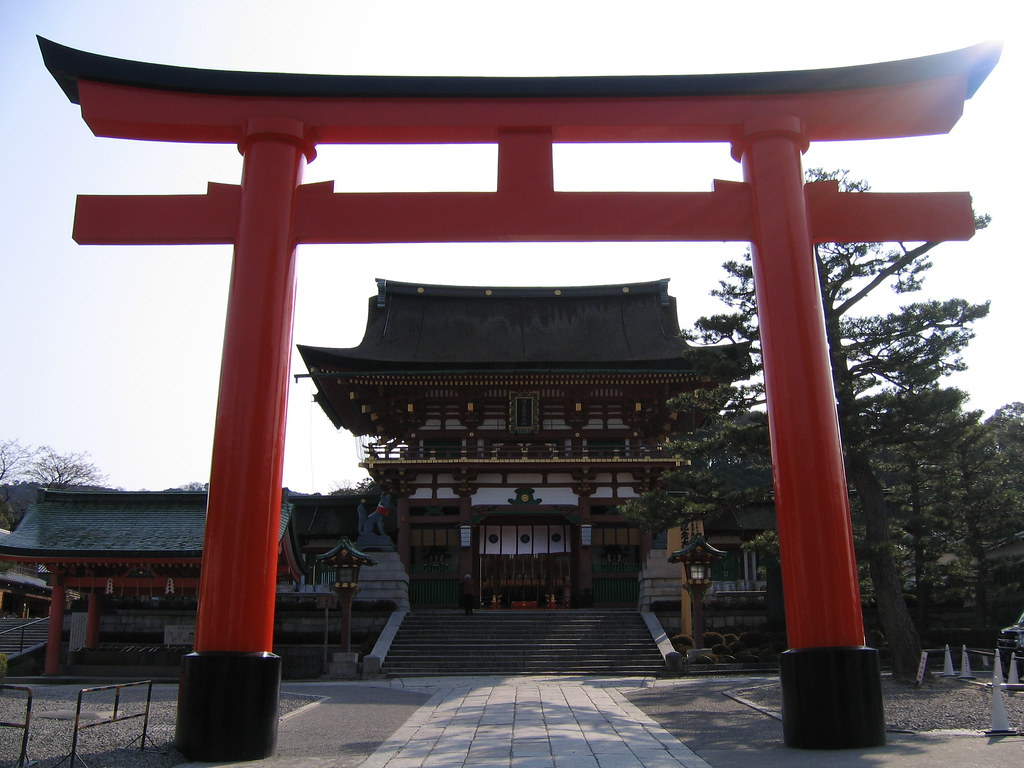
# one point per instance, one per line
(139, 543)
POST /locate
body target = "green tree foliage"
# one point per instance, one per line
(887, 367)
(915, 467)
(956, 490)
(6, 514)
(983, 505)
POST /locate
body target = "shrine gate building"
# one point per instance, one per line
(508, 424)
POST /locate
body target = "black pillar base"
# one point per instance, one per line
(228, 706)
(832, 698)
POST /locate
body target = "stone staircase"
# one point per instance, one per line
(523, 642)
(22, 635)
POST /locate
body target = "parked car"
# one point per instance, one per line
(1011, 639)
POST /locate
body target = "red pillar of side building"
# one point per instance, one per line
(230, 685)
(831, 681)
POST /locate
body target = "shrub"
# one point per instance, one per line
(704, 658)
(681, 642)
(747, 657)
(3, 666)
(752, 639)
(730, 639)
(719, 649)
(711, 639)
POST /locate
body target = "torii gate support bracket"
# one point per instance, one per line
(230, 684)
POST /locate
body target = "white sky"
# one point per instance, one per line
(116, 350)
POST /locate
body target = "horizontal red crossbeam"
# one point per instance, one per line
(876, 217)
(327, 217)
(908, 109)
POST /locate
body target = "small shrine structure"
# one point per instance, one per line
(106, 544)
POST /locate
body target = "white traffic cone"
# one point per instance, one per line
(947, 668)
(1012, 678)
(1000, 720)
(965, 665)
(997, 670)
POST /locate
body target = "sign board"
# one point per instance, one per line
(921, 667)
(180, 634)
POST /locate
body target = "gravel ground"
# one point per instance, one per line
(114, 745)
(939, 704)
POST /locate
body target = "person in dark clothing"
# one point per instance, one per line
(469, 594)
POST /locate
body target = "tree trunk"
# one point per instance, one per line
(922, 586)
(893, 615)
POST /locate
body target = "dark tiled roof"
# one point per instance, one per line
(65, 524)
(430, 327)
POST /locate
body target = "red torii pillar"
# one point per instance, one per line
(229, 687)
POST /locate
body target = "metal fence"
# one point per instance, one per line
(23, 761)
(115, 716)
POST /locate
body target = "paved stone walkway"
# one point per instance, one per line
(532, 723)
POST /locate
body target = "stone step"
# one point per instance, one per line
(14, 639)
(577, 669)
(523, 642)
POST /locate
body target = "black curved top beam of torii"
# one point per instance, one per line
(68, 66)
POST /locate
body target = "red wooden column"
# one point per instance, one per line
(819, 569)
(55, 631)
(229, 686)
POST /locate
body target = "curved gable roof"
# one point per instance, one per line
(414, 326)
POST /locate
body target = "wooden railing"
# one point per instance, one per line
(504, 452)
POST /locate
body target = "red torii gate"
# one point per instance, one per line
(229, 687)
